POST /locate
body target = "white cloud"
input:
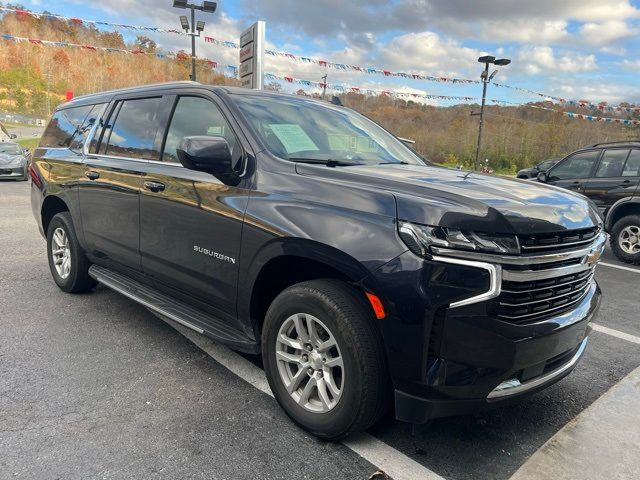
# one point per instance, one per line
(541, 59)
(605, 33)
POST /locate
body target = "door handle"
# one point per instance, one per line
(154, 186)
(91, 175)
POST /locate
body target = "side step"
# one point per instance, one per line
(164, 305)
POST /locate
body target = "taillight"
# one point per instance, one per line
(35, 176)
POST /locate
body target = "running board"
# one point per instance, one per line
(165, 306)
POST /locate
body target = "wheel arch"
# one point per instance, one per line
(51, 206)
(620, 209)
(285, 262)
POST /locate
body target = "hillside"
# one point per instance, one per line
(34, 79)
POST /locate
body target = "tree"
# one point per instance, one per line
(145, 44)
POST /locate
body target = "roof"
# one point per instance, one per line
(619, 142)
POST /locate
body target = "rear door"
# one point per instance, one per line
(574, 171)
(615, 178)
(191, 221)
(114, 171)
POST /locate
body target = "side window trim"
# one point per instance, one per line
(94, 129)
(594, 165)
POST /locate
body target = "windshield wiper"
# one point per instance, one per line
(394, 163)
(328, 162)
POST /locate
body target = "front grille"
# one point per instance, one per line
(532, 301)
(557, 241)
(5, 171)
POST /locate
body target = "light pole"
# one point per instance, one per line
(196, 28)
(486, 78)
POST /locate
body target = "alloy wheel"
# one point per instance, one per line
(310, 363)
(61, 252)
(629, 239)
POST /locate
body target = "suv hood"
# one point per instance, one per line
(453, 198)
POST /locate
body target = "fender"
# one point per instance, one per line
(622, 203)
(327, 255)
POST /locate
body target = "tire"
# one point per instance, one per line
(75, 278)
(341, 312)
(625, 239)
(523, 177)
(26, 174)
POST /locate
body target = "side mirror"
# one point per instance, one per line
(13, 136)
(407, 141)
(542, 177)
(208, 154)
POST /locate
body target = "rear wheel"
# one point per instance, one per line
(625, 239)
(324, 359)
(67, 261)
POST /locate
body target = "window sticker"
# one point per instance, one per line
(293, 137)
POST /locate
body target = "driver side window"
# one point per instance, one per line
(576, 166)
(198, 116)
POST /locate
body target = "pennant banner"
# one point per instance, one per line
(363, 90)
(578, 116)
(602, 106)
(80, 21)
(164, 55)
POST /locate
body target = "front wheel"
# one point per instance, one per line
(324, 359)
(625, 239)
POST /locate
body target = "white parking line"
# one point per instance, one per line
(613, 265)
(376, 452)
(615, 333)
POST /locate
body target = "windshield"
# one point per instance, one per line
(10, 149)
(298, 129)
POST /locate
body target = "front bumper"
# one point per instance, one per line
(449, 361)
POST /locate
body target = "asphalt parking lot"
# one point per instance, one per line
(95, 386)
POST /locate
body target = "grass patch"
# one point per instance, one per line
(29, 143)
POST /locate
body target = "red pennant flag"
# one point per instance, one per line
(22, 13)
(36, 41)
(89, 47)
(289, 79)
(386, 73)
(208, 39)
(322, 63)
(75, 21)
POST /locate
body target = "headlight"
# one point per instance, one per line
(420, 239)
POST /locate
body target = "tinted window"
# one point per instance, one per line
(576, 166)
(612, 163)
(546, 165)
(632, 167)
(134, 130)
(81, 136)
(300, 129)
(64, 125)
(198, 116)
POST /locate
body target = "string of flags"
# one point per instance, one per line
(168, 55)
(21, 12)
(363, 90)
(341, 88)
(601, 106)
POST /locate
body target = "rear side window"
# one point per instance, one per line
(612, 163)
(64, 125)
(92, 117)
(577, 166)
(133, 133)
(632, 167)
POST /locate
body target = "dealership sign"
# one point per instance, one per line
(252, 56)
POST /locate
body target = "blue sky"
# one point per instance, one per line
(575, 49)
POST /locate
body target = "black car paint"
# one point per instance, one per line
(441, 361)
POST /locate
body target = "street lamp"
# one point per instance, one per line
(196, 28)
(486, 78)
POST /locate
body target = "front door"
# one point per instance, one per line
(114, 171)
(573, 172)
(191, 221)
(617, 177)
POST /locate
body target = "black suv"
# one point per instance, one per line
(609, 174)
(303, 231)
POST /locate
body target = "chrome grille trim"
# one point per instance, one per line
(506, 290)
(558, 246)
(588, 281)
(531, 275)
(495, 280)
(550, 310)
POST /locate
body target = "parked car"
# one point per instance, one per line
(608, 174)
(533, 172)
(14, 161)
(305, 232)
